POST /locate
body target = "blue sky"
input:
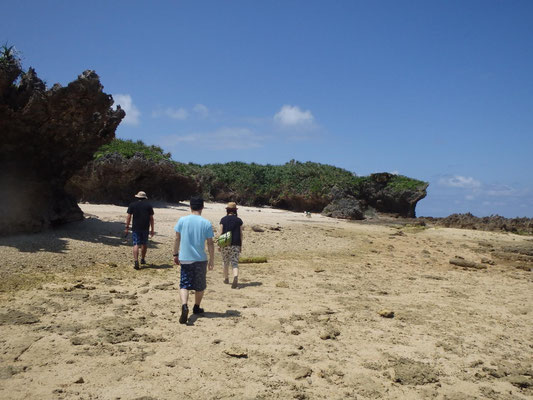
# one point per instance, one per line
(440, 91)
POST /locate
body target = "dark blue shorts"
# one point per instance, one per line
(193, 276)
(139, 238)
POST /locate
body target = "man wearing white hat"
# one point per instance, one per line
(143, 218)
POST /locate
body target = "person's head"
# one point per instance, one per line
(231, 208)
(141, 195)
(197, 203)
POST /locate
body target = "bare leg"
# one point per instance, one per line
(184, 295)
(198, 297)
(136, 252)
(235, 267)
(226, 262)
(226, 271)
(236, 264)
(144, 248)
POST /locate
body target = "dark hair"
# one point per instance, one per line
(197, 203)
(231, 211)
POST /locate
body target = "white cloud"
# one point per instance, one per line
(174, 113)
(498, 191)
(224, 138)
(126, 103)
(460, 182)
(201, 110)
(181, 113)
(292, 116)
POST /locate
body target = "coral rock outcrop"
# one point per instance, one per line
(115, 179)
(385, 192)
(45, 137)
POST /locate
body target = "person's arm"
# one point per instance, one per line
(211, 250)
(242, 237)
(176, 254)
(128, 220)
(152, 225)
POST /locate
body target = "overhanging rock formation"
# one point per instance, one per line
(114, 179)
(45, 137)
(386, 193)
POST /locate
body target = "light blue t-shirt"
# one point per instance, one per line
(194, 230)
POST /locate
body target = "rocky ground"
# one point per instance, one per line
(342, 310)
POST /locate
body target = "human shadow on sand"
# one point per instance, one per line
(55, 240)
(156, 266)
(243, 285)
(208, 314)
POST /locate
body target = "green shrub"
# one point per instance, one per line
(399, 183)
(293, 185)
(128, 148)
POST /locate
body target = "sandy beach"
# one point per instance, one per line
(341, 310)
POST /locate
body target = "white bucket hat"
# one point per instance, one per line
(141, 195)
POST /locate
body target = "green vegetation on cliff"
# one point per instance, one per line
(294, 185)
(268, 181)
(128, 148)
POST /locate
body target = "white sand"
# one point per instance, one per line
(305, 325)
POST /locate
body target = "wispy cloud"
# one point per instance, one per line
(501, 191)
(459, 181)
(132, 112)
(174, 113)
(181, 113)
(223, 138)
(201, 110)
(292, 116)
(469, 194)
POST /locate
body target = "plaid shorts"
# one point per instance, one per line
(193, 276)
(139, 237)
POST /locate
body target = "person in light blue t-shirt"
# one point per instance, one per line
(192, 232)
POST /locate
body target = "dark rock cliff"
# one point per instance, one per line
(45, 137)
(344, 205)
(391, 193)
(382, 192)
(115, 179)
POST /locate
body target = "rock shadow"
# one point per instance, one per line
(55, 240)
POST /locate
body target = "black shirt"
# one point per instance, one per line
(141, 210)
(232, 223)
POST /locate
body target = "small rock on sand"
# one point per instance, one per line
(294, 370)
(236, 352)
(330, 333)
(461, 262)
(386, 313)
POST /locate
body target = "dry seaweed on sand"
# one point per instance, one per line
(252, 260)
